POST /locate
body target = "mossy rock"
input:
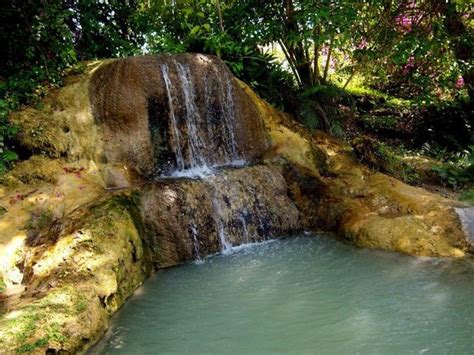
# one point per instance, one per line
(76, 284)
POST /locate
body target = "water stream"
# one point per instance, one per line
(309, 294)
(202, 156)
(200, 144)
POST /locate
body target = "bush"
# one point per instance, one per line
(459, 173)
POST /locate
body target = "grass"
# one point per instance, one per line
(40, 324)
(27, 324)
(81, 304)
(53, 333)
(379, 122)
(40, 219)
(358, 87)
(30, 347)
(468, 196)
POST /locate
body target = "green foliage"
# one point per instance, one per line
(468, 196)
(386, 159)
(376, 123)
(30, 347)
(41, 39)
(81, 304)
(458, 173)
(321, 107)
(104, 29)
(193, 26)
(28, 322)
(53, 333)
(7, 131)
(421, 52)
(36, 46)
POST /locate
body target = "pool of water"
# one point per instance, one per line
(306, 294)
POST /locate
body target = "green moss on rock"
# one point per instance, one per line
(78, 282)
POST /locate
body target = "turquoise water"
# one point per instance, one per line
(308, 294)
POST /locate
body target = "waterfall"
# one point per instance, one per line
(174, 125)
(201, 144)
(229, 116)
(219, 219)
(195, 145)
(194, 235)
(244, 226)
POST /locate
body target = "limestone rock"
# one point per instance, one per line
(187, 219)
(369, 209)
(135, 106)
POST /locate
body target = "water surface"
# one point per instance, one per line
(308, 294)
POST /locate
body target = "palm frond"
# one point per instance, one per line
(320, 108)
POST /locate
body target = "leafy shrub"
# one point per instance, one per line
(325, 107)
(7, 131)
(468, 196)
(446, 125)
(383, 158)
(458, 173)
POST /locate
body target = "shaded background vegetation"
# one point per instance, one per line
(324, 61)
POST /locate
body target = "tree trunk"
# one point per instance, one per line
(290, 63)
(350, 77)
(328, 61)
(297, 52)
(219, 13)
(316, 73)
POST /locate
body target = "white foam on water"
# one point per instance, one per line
(246, 247)
(199, 172)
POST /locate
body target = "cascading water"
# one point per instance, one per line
(174, 125)
(196, 152)
(202, 154)
(194, 234)
(218, 217)
(244, 227)
(228, 114)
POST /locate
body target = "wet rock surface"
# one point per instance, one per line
(187, 219)
(466, 216)
(162, 113)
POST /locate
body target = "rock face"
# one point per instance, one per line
(156, 160)
(74, 285)
(189, 219)
(174, 112)
(333, 191)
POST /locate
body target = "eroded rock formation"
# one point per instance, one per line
(174, 112)
(233, 207)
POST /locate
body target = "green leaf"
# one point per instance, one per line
(195, 30)
(9, 156)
